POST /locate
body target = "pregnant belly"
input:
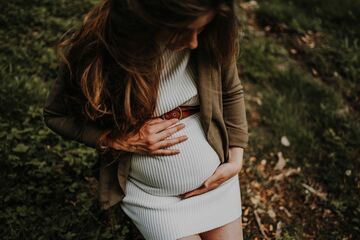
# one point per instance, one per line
(172, 175)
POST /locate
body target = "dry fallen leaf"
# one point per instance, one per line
(281, 162)
(263, 162)
(271, 214)
(252, 159)
(255, 200)
(246, 211)
(255, 184)
(249, 5)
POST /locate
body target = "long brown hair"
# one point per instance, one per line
(114, 60)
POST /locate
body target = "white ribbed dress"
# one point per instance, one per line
(155, 182)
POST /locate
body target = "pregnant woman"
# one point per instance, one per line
(153, 86)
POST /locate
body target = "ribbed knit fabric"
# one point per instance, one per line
(177, 83)
(155, 182)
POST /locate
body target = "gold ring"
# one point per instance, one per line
(180, 113)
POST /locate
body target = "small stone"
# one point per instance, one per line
(293, 51)
(285, 141)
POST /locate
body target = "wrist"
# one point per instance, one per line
(236, 156)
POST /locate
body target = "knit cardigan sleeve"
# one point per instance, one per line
(234, 106)
(57, 118)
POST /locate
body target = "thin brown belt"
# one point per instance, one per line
(181, 112)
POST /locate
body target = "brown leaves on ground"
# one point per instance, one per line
(275, 196)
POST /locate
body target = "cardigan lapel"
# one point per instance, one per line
(204, 80)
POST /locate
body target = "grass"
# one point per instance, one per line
(329, 38)
(318, 113)
(47, 190)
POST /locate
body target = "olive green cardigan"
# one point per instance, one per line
(222, 111)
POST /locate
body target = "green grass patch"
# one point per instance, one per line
(46, 181)
(324, 137)
(331, 34)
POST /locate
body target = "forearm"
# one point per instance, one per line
(57, 117)
(236, 155)
(72, 128)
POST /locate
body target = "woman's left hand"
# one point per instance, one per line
(224, 172)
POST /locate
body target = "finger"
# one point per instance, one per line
(215, 182)
(165, 152)
(215, 179)
(196, 192)
(190, 192)
(168, 132)
(161, 125)
(169, 142)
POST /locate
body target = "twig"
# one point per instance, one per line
(314, 191)
(261, 227)
(287, 173)
(278, 230)
(286, 211)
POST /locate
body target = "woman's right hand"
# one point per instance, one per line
(151, 138)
